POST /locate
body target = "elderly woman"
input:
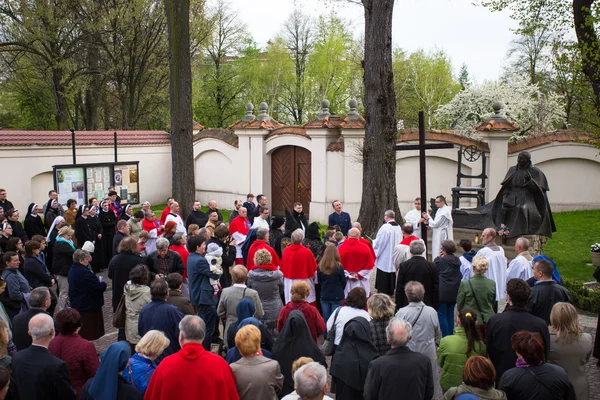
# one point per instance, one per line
(570, 347)
(316, 324)
(143, 363)
(17, 287)
(425, 324)
(86, 294)
(478, 293)
(478, 377)
(381, 310)
(62, 259)
(256, 377)
(267, 280)
(135, 224)
(137, 295)
(78, 353)
(449, 277)
(532, 378)
(355, 305)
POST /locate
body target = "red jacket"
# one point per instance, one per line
(298, 262)
(355, 256)
(164, 215)
(369, 245)
(315, 322)
(258, 245)
(407, 240)
(79, 355)
(184, 254)
(192, 373)
(239, 224)
(148, 226)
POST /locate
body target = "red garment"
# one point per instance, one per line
(192, 373)
(407, 240)
(355, 256)
(164, 215)
(184, 254)
(369, 245)
(315, 322)
(149, 225)
(79, 355)
(298, 262)
(239, 224)
(258, 245)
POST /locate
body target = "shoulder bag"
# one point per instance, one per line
(481, 327)
(119, 315)
(418, 315)
(327, 347)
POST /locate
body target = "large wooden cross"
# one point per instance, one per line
(423, 166)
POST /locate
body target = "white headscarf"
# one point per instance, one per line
(56, 221)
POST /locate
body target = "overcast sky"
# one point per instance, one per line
(468, 34)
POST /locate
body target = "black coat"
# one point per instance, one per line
(62, 258)
(18, 230)
(399, 373)
(544, 295)
(196, 217)
(420, 270)
(34, 226)
(119, 236)
(499, 330)
(108, 221)
(118, 271)
(6, 205)
(175, 263)
(21, 338)
(84, 231)
(449, 277)
(227, 260)
(41, 376)
(36, 274)
(547, 382)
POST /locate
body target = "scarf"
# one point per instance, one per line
(521, 363)
(113, 361)
(62, 239)
(468, 255)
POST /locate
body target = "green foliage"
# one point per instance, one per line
(583, 298)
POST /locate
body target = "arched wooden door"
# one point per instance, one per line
(290, 179)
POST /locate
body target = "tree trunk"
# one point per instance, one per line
(589, 45)
(379, 156)
(178, 23)
(61, 114)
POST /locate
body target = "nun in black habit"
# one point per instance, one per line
(108, 219)
(83, 229)
(33, 223)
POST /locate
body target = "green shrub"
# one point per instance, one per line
(583, 298)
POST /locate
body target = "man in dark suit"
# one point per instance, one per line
(39, 301)
(417, 269)
(515, 318)
(38, 374)
(546, 292)
(400, 370)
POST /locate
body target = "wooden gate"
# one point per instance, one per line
(290, 179)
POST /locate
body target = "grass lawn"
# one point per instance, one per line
(570, 245)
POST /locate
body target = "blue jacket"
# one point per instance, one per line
(332, 286)
(86, 292)
(162, 316)
(343, 221)
(141, 371)
(198, 273)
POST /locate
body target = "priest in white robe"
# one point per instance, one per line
(414, 218)
(388, 236)
(497, 260)
(522, 266)
(441, 225)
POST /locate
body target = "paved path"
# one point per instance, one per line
(588, 323)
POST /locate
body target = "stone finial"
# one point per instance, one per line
(324, 110)
(249, 116)
(498, 121)
(353, 114)
(262, 112)
(498, 106)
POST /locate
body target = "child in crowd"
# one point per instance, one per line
(213, 256)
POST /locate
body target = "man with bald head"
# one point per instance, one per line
(400, 370)
(212, 206)
(522, 265)
(357, 225)
(497, 260)
(38, 374)
(298, 264)
(358, 262)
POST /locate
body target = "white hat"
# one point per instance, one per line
(88, 246)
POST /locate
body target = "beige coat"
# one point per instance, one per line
(257, 377)
(573, 357)
(230, 297)
(136, 297)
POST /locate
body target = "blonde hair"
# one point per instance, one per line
(381, 306)
(192, 228)
(247, 340)
(300, 362)
(565, 322)
(480, 265)
(330, 260)
(300, 291)
(262, 257)
(152, 344)
(3, 339)
(66, 230)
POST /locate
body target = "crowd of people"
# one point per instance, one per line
(253, 307)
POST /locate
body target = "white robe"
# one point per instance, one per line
(466, 268)
(520, 268)
(239, 242)
(260, 223)
(287, 288)
(497, 269)
(364, 283)
(401, 254)
(412, 217)
(177, 219)
(441, 227)
(384, 244)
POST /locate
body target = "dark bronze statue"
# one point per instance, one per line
(522, 203)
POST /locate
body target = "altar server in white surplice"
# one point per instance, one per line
(414, 218)
(522, 266)
(441, 225)
(388, 236)
(497, 260)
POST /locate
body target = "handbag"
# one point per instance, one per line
(327, 347)
(480, 327)
(119, 315)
